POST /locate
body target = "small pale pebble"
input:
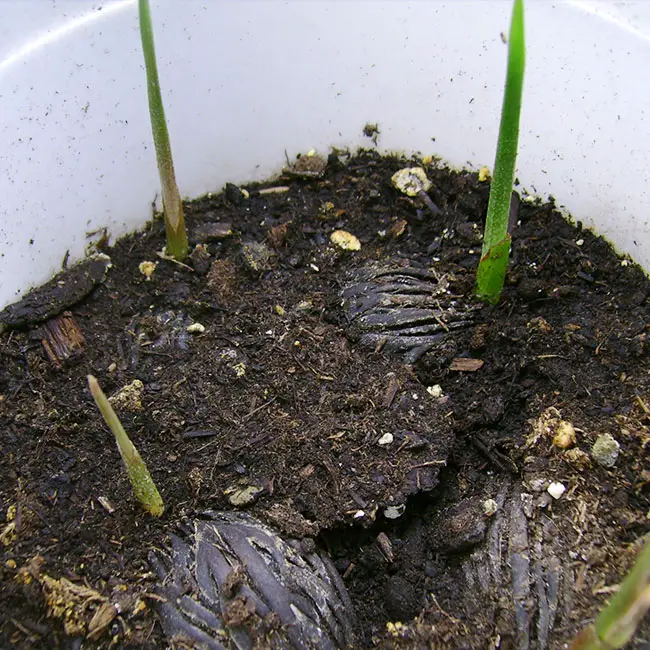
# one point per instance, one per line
(196, 328)
(435, 391)
(580, 242)
(565, 435)
(556, 490)
(359, 514)
(578, 458)
(411, 181)
(345, 240)
(490, 506)
(147, 268)
(536, 484)
(304, 305)
(129, 397)
(605, 450)
(394, 512)
(386, 439)
(242, 495)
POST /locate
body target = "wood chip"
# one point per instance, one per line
(329, 466)
(277, 235)
(398, 228)
(280, 189)
(106, 504)
(391, 390)
(63, 340)
(466, 364)
(213, 231)
(386, 546)
(307, 471)
(101, 620)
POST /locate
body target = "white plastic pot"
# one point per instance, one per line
(246, 80)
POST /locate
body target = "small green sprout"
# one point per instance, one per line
(496, 239)
(143, 486)
(172, 204)
(617, 623)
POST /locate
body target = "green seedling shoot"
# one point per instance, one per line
(496, 239)
(143, 486)
(172, 204)
(617, 623)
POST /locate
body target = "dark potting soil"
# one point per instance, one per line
(361, 399)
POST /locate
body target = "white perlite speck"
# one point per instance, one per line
(556, 490)
(394, 512)
(435, 391)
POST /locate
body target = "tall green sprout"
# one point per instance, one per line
(144, 488)
(172, 205)
(617, 623)
(496, 239)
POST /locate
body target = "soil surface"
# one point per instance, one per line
(360, 398)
